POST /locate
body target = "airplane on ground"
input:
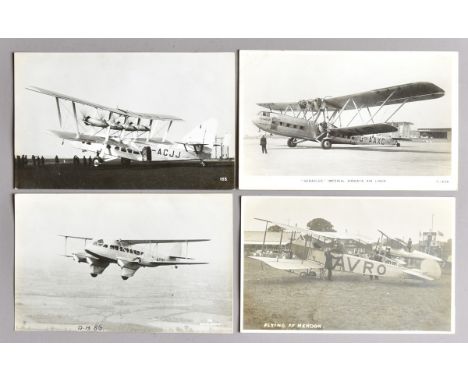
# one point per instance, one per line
(320, 119)
(306, 256)
(99, 253)
(129, 135)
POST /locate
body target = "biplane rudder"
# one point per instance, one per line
(203, 134)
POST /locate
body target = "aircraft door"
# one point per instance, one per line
(146, 154)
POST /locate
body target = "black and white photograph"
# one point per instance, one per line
(348, 120)
(367, 264)
(154, 263)
(125, 120)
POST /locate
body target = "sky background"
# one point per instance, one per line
(192, 86)
(279, 76)
(400, 217)
(39, 219)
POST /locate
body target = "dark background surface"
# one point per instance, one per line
(8, 46)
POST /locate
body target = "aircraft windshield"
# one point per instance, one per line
(264, 114)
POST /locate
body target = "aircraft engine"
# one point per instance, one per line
(90, 121)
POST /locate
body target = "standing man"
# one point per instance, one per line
(410, 245)
(263, 143)
(329, 263)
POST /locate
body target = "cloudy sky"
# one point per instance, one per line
(192, 86)
(279, 76)
(401, 217)
(40, 218)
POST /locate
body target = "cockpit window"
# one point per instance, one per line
(99, 242)
(265, 113)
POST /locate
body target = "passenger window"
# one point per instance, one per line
(105, 246)
(117, 148)
(123, 150)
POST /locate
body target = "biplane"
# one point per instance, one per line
(112, 133)
(129, 255)
(323, 120)
(305, 255)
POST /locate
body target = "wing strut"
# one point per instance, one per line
(381, 106)
(398, 108)
(167, 131)
(76, 120)
(264, 238)
(57, 101)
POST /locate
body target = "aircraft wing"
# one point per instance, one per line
(318, 234)
(288, 264)
(117, 111)
(411, 92)
(414, 91)
(134, 242)
(417, 274)
(377, 128)
(281, 106)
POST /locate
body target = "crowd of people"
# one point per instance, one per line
(39, 161)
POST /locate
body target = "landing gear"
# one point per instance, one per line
(292, 142)
(125, 161)
(93, 274)
(398, 144)
(124, 277)
(97, 161)
(326, 144)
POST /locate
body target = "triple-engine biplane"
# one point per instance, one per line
(113, 133)
(306, 248)
(129, 255)
(322, 119)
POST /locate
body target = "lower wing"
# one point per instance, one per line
(375, 128)
(288, 264)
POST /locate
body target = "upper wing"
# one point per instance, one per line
(319, 234)
(288, 264)
(133, 242)
(376, 128)
(415, 91)
(411, 92)
(121, 112)
(76, 237)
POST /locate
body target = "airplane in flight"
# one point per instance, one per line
(99, 253)
(306, 256)
(321, 119)
(112, 133)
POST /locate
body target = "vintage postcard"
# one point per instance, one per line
(123, 263)
(326, 264)
(125, 120)
(325, 120)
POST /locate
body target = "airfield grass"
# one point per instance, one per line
(274, 299)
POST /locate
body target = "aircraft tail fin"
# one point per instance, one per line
(203, 135)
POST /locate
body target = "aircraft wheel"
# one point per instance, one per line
(93, 274)
(326, 144)
(398, 144)
(292, 142)
(124, 278)
(96, 162)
